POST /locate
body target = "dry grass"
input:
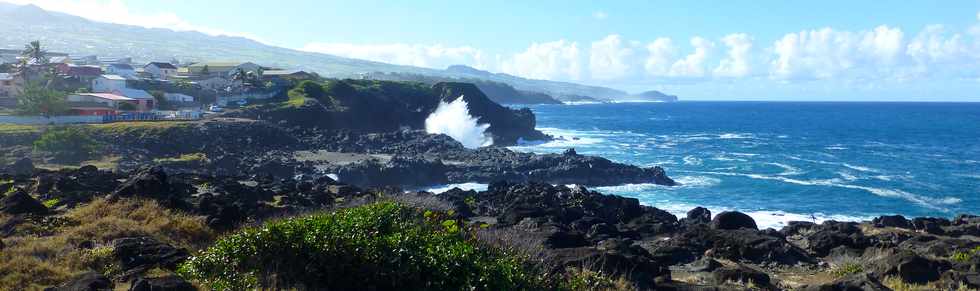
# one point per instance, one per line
(896, 283)
(32, 262)
(17, 128)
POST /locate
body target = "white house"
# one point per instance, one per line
(177, 97)
(108, 83)
(123, 70)
(160, 70)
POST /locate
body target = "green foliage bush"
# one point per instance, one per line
(965, 256)
(35, 99)
(381, 246)
(68, 144)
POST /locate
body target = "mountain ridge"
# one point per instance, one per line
(57, 31)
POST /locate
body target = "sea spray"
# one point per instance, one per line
(454, 119)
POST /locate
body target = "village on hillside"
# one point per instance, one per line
(42, 87)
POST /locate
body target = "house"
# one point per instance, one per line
(83, 73)
(287, 74)
(98, 102)
(215, 83)
(90, 108)
(59, 60)
(108, 83)
(177, 97)
(9, 87)
(124, 70)
(91, 60)
(224, 69)
(160, 70)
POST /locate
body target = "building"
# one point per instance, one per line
(9, 86)
(91, 108)
(108, 83)
(224, 69)
(160, 70)
(177, 97)
(124, 70)
(84, 73)
(107, 100)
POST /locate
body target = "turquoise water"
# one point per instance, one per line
(782, 161)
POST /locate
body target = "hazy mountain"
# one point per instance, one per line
(651, 96)
(78, 36)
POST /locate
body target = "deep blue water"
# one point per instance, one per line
(782, 161)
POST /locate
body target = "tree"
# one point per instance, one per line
(31, 58)
(161, 99)
(37, 100)
(205, 71)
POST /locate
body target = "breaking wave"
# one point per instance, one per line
(454, 119)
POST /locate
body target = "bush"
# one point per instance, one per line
(68, 144)
(381, 246)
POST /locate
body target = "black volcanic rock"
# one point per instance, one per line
(19, 202)
(733, 220)
(506, 125)
(88, 281)
(699, 215)
(892, 221)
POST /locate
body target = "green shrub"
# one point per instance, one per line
(381, 246)
(67, 144)
(965, 256)
(844, 270)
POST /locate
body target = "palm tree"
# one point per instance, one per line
(32, 57)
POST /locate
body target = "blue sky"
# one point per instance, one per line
(717, 50)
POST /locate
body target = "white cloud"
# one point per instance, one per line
(550, 60)
(738, 61)
(600, 15)
(428, 56)
(693, 64)
(610, 58)
(116, 11)
(933, 45)
(660, 56)
(827, 53)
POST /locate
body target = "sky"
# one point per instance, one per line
(699, 50)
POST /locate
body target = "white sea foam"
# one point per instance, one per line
(847, 176)
(692, 160)
(463, 186)
(929, 202)
(735, 136)
(787, 169)
(682, 181)
(775, 219)
(846, 165)
(454, 119)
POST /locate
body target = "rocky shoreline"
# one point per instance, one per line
(564, 226)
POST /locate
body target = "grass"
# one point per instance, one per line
(385, 245)
(895, 283)
(17, 128)
(33, 262)
(845, 265)
(959, 256)
(140, 127)
(184, 158)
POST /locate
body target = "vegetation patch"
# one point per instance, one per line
(18, 128)
(68, 144)
(965, 256)
(45, 252)
(378, 246)
(185, 158)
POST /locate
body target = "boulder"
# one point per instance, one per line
(955, 279)
(910, 267)
(699, 215)
(19, 202)
(22, 167)
(892, 221)
(88, 281)
(168, 283)
(705, 264)
(139, 254)
(147, 182)
(733, 220)
(856, 282)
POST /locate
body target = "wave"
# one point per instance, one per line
(736, 136)
(692, 160)
(454, 119)
(787, 169)
(464, 186)
(582, 102)
(846, 165)
(929, 202)
(775, 219)
(682, 181)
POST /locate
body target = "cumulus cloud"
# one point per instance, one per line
(660, 55)
(428, 56)
(609, 58)
(738, 61)
(550, 60)
(827, 53)
(116, 11)
(693, 64)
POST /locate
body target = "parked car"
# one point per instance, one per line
(215, 108)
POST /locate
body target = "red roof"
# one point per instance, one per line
(108, 96)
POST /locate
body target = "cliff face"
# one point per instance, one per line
(383, 106)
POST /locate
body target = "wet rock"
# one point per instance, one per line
(89, 281)
(857, 282)
(699, 215)
(892, 221)
(168, 283)
(733, 220)
(19, 202)
(139, 254)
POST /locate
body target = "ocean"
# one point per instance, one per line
(784, 161)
